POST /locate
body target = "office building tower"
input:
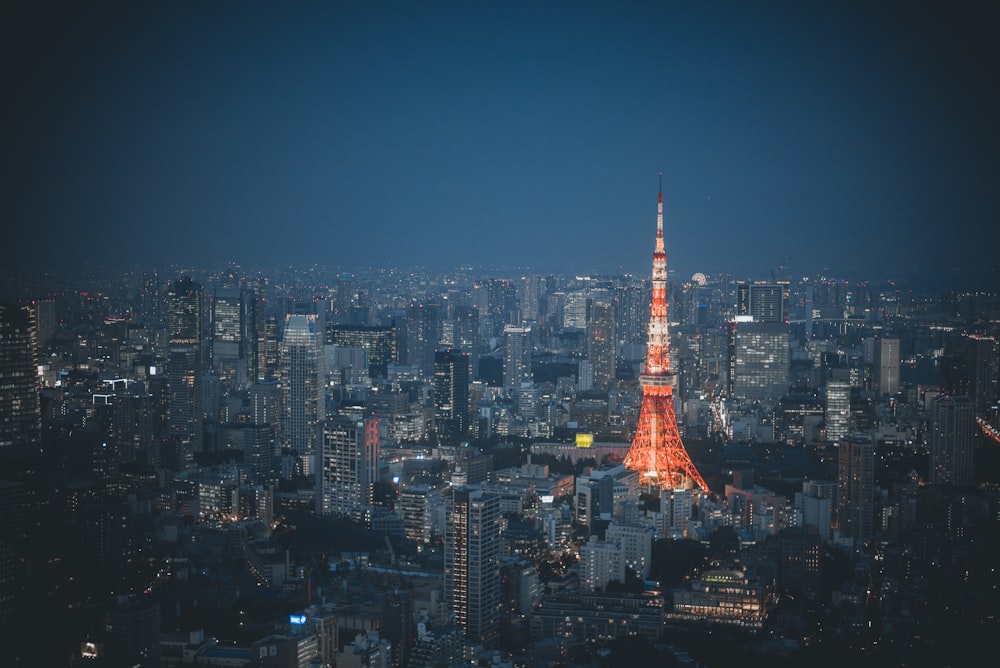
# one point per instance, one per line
(379, 342)
(888, 366)
(414, 506)
(636, 544)
(657, 453)
(466, 333)
(516, 356)
(764, 302)
(601, 343)
(20, 408)
(837, 412)
(761, 361)
(472, 562)
(529, 297)
(631, 312)
(302, 382)
(451, 395)
(423, 331)
(497, 301)
(348, 467)
(982, 365)
(185, 363)
(856, 488)
(952, 441)
(233, 322)
(600, 563)
(815, 502)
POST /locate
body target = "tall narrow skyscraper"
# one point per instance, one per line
(657, 452)
(185, 363)
(602, 342)
(856, 488)
(472, 562)
(20, 411)
(302, 382)
(451, 395)
(952, 441)
(888, 366)
(516, 356)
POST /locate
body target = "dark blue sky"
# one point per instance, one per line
(856, 138)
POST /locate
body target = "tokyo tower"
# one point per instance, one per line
(657, 452)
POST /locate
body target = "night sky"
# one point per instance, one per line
(858, 139)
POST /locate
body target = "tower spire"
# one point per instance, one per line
(657, 452)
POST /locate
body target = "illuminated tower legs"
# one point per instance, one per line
(657, 452)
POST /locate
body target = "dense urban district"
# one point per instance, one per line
(400, 467)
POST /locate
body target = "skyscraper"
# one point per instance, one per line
(423, 331)
(888, 366)
(764, 302)
(982, 365)
(856, 488)
(516, 356)
(952, 441)
(601, 342)
(837, 412)
(348, 467)
(302, 382)
(762, 359)
(657, 452)
(185, 362)
(451, 395)
(20, 410)
(472, 562)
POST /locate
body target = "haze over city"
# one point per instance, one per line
(855, 139)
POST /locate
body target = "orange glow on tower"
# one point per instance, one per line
(657, 452)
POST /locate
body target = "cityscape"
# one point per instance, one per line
(440, 335)
(401, 468)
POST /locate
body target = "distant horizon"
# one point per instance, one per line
(856, 139)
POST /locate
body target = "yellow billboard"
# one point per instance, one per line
(584, 440)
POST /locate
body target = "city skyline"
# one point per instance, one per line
(849, 139)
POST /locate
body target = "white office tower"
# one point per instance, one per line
(600, 563)
(815, 502)
(636, 543)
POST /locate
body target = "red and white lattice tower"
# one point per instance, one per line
(657, 452)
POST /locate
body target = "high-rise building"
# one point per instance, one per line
(982, 364)
(952, 441)
(601, 343)
(888, 366)
(20, 409)
(380, 342)
(423, 331)
(657, 453)
(837, 412)
(302, 382)
(348, 467)
(516, 356)
(235, 341)
(762, 360)
(185, 363)
(451, 395)
(472, 562)
(856, 488)
(764, 302)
